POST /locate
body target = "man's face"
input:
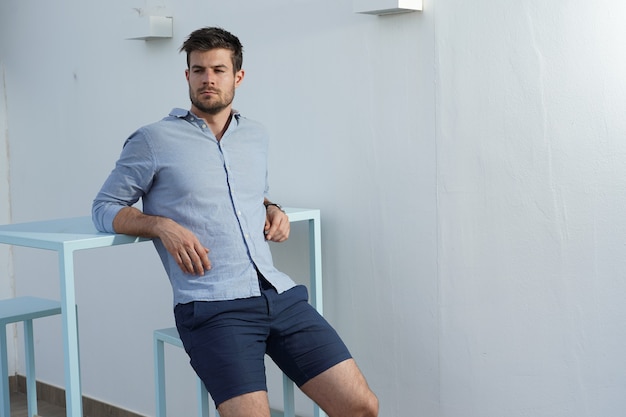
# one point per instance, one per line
(212, 81)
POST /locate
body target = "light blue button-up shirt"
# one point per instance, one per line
(214, 188)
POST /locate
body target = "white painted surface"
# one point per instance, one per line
(468, 161)
(531, 175)
(7, 281)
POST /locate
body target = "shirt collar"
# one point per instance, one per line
(188, 115)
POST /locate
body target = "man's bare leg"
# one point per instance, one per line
(254, 404)
(342, 391)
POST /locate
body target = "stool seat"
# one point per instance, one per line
(23, 309)
(169, 335)
(27, 308)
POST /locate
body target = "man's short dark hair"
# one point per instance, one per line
(209, 38)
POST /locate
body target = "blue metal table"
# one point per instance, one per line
(65, 236)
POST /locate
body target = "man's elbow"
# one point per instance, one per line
(102, 216)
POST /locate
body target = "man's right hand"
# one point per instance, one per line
(190, 255)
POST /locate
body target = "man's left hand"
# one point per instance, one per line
(276, 224)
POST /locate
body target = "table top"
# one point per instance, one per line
(79, 232)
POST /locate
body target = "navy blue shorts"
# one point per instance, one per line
(227, 340)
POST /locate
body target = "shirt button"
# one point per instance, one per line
(246, 236)
(204, 126)
(239, 213)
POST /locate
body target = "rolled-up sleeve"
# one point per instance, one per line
(131, 178)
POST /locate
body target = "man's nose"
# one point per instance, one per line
(209, 77)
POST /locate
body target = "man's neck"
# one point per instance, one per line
(218, 123)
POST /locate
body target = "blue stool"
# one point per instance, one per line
(170, 336)
(23, 309)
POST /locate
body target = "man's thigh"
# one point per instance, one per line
(301, 342)
(253, 404)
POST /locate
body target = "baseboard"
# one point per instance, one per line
(56, 396)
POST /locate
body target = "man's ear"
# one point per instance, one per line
(239, 77)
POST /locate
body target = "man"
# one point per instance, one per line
(202, 178)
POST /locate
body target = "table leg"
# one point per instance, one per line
(73, 395)
(5, 408)
(315, 256)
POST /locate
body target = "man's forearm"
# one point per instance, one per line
(131, 221)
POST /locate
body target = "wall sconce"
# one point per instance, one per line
(384, 7)
(149, 28)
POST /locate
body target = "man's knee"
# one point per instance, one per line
(369, 407)
(366, 407)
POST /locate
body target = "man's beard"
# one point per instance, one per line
(211, 107)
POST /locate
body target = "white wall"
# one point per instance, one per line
(468, 162)
(531, 174)
(7, 289)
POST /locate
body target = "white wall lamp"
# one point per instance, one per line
(149, 27)
(385, 7)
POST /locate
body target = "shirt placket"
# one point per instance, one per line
(239, 212)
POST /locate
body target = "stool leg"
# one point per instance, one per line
(31, 381)
(288, 399)
(159, 377)
(4, 374)
(203, 399)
